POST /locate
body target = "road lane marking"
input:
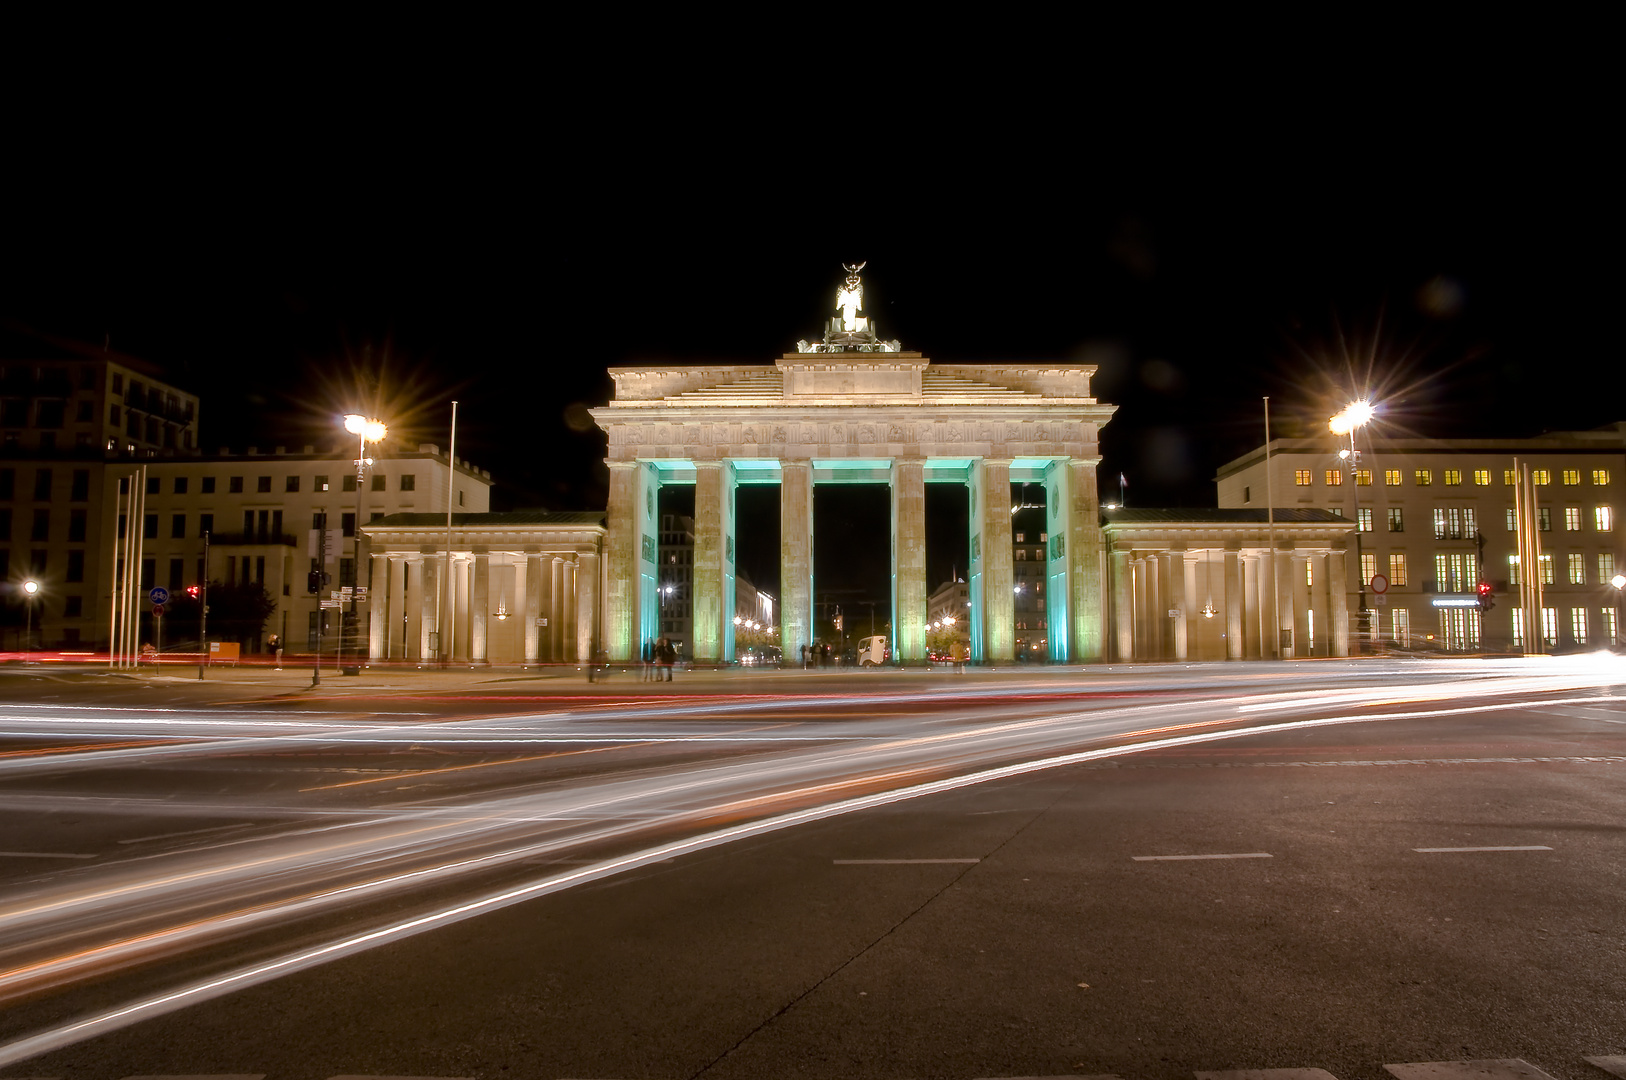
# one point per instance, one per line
(1267, 1074)
(900, 862)
(1483, 1069)
(41, 855)
(1509, 847)
(1181, 858)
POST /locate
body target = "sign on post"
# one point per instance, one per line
(1380, 584)
(159, 595)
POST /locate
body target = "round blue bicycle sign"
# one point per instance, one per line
(160, 595)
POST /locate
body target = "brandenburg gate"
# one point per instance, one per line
(853, 409)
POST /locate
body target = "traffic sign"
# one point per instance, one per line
(1380, 584)
(159, 595)
(158, 611)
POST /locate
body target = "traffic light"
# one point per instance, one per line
(192, 591)
(1485, 600)
(313, 583)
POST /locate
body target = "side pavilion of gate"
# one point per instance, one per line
(857, 417)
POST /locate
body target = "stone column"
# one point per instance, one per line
(378, 607)
(998, 573)
(1301, 604)
(1234, 594)
(712, 605)
(481, 604)
(1123, 605)
(630, 551)
(428, 597)
(533, 608)
(396, 634)
(795, 558)
(1070, 482)
(457, 621)
(1173, 571)
(1317, 603)
(1337, 568)
(567, 613)
(556, 611)
(909, 559)
(412, 647)
(587, 603)
(1280, 615)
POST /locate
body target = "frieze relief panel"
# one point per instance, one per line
(713, 440)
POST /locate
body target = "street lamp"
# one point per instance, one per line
(1619, 582)
(1355, 415)
(31, 588)
(367, 430)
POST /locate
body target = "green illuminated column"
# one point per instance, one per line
(630, 552)
(998, 577)
(713, 609)
(795, 558)
(1085, 609)
(480, 608)
(909, 560)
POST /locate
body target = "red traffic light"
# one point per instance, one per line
(1484, 588)
(192, 591)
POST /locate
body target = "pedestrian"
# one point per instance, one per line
(648, 656)
(806, 653)
(276, 648)
(666, 655)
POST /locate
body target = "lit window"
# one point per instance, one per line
(1391, 477)
(1603, 518)
(1600, 476)
(1606, 566)
(1577, 563)
(1424, 477)
(1512, 522)
(1482, 477)
(1397, 568)
(1571, 477)
(1397, 520)
(1518, 628)
(1400, 624)
(1510, 477)
(1611, 625)
(1544, 518)
(1542, 478)
(1545, 564)
(1363, 518)
(1453, 477)
(1309, 574)
(1549, 625)
(1578, 624)
(1363, 477)
(1572, 519)
(1515, 575)
(1020, 537)
(1334, 478)
(1369, 566)
(1301, 477)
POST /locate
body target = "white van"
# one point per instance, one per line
(873, 651)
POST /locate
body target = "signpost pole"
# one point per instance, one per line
(203, 611)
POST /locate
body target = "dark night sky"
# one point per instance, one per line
(489, 237)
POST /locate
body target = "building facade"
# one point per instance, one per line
(1435, 517)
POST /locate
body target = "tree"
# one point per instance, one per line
(237, 612)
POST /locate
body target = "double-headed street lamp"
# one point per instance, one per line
(1355, 415)
(368, 431)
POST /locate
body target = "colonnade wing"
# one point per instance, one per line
(1211, 585)
(503, 588)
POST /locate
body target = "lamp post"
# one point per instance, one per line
(1355, 415)
(367, 430)
(31, 589)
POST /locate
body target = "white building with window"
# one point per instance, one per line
(1421, 507)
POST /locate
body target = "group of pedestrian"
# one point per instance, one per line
(659, 655)
(816, 656)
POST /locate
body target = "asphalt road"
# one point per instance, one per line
(655, 886)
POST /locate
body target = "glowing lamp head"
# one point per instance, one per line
(371, 430)
(31, 587)
(1354, 415)
(1618, 581)
(355, 423)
